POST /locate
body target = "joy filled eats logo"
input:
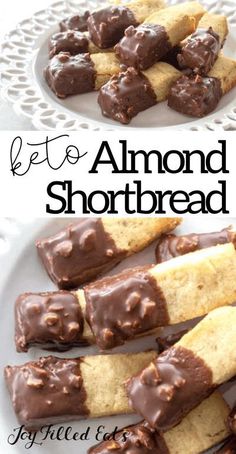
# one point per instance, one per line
(62, 433)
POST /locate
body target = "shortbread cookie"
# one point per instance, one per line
(201, 429)
(131, 92)
(74, 42)
(106, 26)
(141, 299)
(185, 374)
(170, 245)
(89, 247)
(198, 96)
(77, 22)
(201, 50)
(75, 74)
(51, 320)
(146, 44)
(51, 390)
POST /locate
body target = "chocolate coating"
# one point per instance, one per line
(70, 75)
(50, 319)
(232, 420)
(195, 96)
(79, 253)
(122, 306)
(172, 57)
(201, 51)
(143, 46)
(229, 447)
(47, 391)
(76, 22)
(125, 95)
(170, 245)
(137, 439)
(106, 26)
(171, 386)
(69, 41)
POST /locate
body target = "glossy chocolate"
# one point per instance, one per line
(200, 51)
(106, 26)
(125, 95)
(195, 96)
(79, 253)
(47, 391)
(50, 319)
(70, 74)
(122, 306)
(170, 245)
(143, 46)
(171, 386)
(69, 41)
(137, 439)
(76, 22)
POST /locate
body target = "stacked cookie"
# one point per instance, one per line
(141, 54)
(172, 388)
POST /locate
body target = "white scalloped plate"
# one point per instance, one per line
(21, 271)
(24, 55)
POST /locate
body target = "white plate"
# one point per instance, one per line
(24, 55)
(21, 271)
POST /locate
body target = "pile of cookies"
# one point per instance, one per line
(141, 53)
(172, 388)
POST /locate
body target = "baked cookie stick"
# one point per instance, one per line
(145, 45)
(131, 92)
(201, 50)
(201, 429)
(70, 75)
(185, 374)
(106, 26)
(139, 300)
(77, 22)
(198, 96)
(52, 390)
(74, 42)
(170, 245)
(89, 247)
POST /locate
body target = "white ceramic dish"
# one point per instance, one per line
(21, 271)
(24, 55)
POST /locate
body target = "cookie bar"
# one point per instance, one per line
(201, 429)
(106, 26)
(52, 319)
(170, 245)
(185, 374)
(198, 96)
(75, 74)
(201, 50)
(146, 44)
(232, 421)
(74, 42)
(131, 92)
(139, 300)
(77, 22)
(91, 246)
(51, 390)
